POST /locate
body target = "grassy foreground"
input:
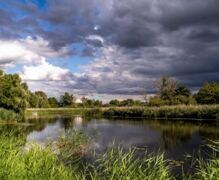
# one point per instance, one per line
(66, 159)
(207, 112)
(69, 162)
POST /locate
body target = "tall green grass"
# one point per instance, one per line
(71, 161)
(207, 169)
(36, 163)
(117, 164)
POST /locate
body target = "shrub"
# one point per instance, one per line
(9, 115)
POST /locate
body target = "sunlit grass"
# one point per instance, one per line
(207, 169)
(117, 164)
(36, 163)
(71, 162)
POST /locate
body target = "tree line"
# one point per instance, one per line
(15, 95)
(172, 92)
(39, 99)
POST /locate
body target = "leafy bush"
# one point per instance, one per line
(208, 94)
(187, 100)
(13, 93)
(9, 115)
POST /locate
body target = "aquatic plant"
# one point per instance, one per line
(118, 164)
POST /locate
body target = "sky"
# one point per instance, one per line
(107, 49)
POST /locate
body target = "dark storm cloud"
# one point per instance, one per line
(69, 21)
(178, 14)
(143, 39)
(13, 26)
(7, 24)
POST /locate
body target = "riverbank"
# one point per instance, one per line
(182, 112)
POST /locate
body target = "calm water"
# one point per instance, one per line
(175, 138)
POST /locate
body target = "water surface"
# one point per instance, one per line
(176, 139)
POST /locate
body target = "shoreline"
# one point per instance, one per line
(174, 113)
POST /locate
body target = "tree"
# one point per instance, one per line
(13, 93)
(145, 97)
(67, 99)
(208, 94)
(127, 102)
(166, 87)
(114, 102)
(98, 103)
(33, 100)
(182, 90)
(157, 101)
(90, 102)
(43, 100)
(53, 102)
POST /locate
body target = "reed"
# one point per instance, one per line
(207, 112)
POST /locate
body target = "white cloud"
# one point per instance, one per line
(26, 51)
(95, 38)
(44, 72)
(42, 48)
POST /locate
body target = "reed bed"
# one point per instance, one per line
(192, 112)
(199, 112)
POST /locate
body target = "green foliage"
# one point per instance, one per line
(157, 101)
(36, 163)
(53, 102)
(166, 87)
(90, 102)
(33, 100)
(43, 100)
(9, 115)
(170, 92)
(182, 99)
(175, 100)
(67, 159)
(72, 146)
(114, 102)
(126, 102)
(182, 111)
(207, 169)
(13, 93)
(117, 164)
(208, 94)
(182, 90)
(67, 99)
